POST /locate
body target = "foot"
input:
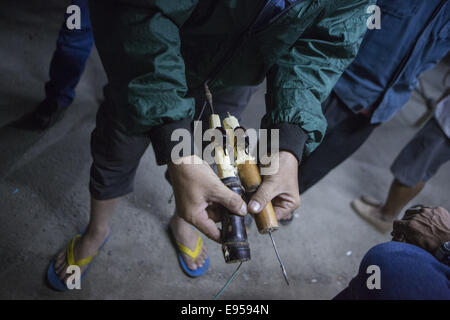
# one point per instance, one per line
(371, 212)
(185, 234)
(372, 201)
(87, 245)
(46, 114)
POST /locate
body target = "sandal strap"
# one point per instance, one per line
(371, 201)
(70, 256)
(193, 254)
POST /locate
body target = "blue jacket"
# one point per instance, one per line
(390, 59)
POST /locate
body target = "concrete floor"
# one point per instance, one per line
(44, 195)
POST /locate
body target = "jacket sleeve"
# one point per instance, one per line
(302, 79)
(139, 45)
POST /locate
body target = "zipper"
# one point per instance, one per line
(248, 32)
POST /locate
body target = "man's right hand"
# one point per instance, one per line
(198, 192)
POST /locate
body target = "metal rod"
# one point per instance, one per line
(283, 269)
(208, 97)
(228, 282)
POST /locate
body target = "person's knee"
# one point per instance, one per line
(405, 272)
(391, 255)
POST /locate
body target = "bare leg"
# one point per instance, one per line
(399, 195)
(382, 215)
(92, 238)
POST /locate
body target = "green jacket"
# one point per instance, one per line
(156, 52)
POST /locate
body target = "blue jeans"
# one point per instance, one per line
(406, 272)
(69, 59)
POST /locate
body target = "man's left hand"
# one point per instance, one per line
(281, 188)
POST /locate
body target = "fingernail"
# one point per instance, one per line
(254, 205)
(243, 208)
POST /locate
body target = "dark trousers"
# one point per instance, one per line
(69, 59)
(422, 157)
(346, 132)
(406, 272)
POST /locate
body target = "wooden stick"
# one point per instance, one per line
(248, 171)
(235, 245)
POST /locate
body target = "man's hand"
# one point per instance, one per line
(281, 188)
(198, 191)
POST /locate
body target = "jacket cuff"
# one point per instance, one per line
(292, 138)
(162, 143)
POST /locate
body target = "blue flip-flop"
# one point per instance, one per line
(193, 254)
(52, 277)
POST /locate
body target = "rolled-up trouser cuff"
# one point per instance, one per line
(163, 144)
(292, 138)
(101, 189)
(422, 157)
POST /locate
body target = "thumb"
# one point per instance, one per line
(229, 199)
(262, 197)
